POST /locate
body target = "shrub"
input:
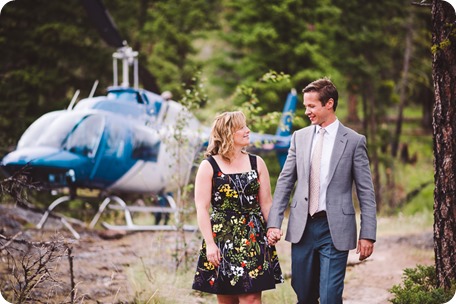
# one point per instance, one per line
(420, 286)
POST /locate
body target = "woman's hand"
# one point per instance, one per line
(213, 254)
(274, 235)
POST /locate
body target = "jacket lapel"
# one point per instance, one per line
(339, 147)
(306, 144)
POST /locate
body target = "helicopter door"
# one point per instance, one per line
(111, 161)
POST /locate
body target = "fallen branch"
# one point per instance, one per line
(10, 240)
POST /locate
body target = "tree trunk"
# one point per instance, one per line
(444, 128)
(404, 84)
(371, 123)
(352, 117)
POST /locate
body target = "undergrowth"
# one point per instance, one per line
(419, 285)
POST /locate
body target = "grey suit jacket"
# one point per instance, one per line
(349, 165)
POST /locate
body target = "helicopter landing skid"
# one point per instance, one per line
(148, 227)
(65, 221)
(130, 226)
(121, 206)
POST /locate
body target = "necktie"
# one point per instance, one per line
(315, 173)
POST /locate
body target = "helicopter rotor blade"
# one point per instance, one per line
(102, 20)
(148, 80)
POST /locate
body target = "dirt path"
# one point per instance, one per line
(370, 281)
(119, 270)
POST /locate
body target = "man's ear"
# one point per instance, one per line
(329, 104)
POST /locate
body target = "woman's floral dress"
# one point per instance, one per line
(248, 264)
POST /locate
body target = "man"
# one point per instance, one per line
(322, 221)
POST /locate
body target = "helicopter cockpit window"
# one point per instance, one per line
(118, 107)
(126, 97)
(52, 132)
(145, 145)
(85, 137)
(33, 133)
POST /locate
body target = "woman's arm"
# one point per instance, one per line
(264, 194)
(203, 193)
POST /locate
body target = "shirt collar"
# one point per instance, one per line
(331, 129)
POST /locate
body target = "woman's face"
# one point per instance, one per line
(242, 136)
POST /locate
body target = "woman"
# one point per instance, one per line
(235, 261)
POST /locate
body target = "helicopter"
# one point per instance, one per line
(122, 144)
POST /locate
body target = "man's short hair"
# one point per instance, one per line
(325, 89)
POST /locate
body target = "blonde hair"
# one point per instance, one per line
(221, 141)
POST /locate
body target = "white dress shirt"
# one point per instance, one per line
(328, 144)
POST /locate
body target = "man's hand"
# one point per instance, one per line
(365, 249)
(274, 235)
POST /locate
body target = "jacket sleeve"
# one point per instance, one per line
(365, 192)
(284, 187)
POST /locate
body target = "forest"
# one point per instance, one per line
(380, 54)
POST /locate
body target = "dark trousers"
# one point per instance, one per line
(318, 268)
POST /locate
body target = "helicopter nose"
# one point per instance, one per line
(46, 166)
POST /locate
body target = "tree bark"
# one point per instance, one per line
(444, 140)
(352, 117)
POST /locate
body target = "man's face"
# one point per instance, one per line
(317, 113)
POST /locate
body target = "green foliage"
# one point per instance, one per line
(43, 59)
(424, 202)
(195, 95)
(293, 37)
(259, 120)
(167, 38)
(420, 286)
(46, 56)
(444, 44)
(366, 47)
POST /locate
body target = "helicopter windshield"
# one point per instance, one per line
(85, 137)
(75, 132)
(33, 133)
(50, 131)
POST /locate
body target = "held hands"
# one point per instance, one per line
(365, 249)
(213, 254)
(274, 235)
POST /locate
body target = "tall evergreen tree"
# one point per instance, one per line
(372, 39)
(48, 52)
(167, 37)
(293, 37)
(444, 128)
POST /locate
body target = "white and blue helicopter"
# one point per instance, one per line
(123, 144)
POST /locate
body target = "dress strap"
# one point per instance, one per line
(253, 161)
(215, 166)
